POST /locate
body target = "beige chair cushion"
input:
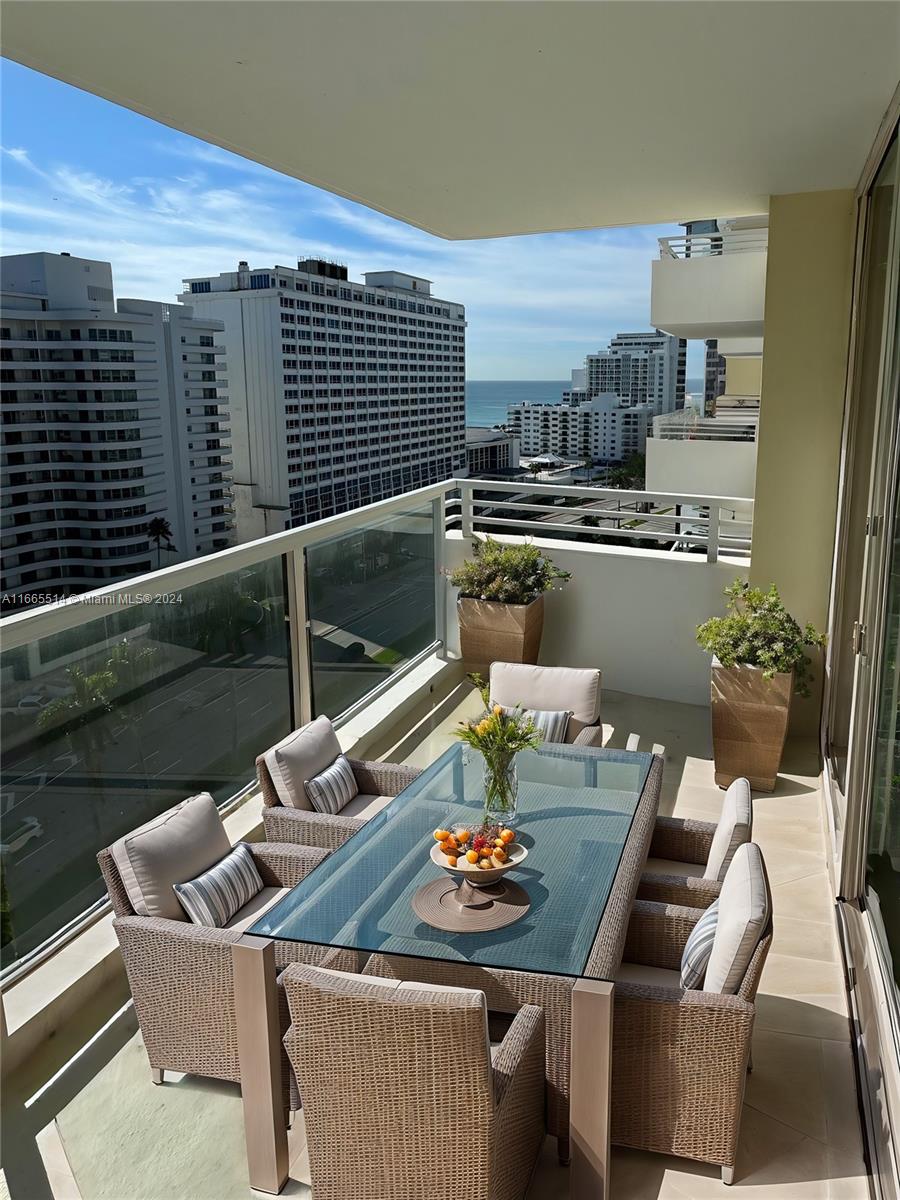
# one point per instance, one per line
(365, 806)
(734, 829)
(551, 689)
(745, 906)
(256, 908)
(174, 847)
(388, 984)
(655, 976)
(668, 866)
(301, 756)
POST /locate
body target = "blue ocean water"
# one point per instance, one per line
(487, 400)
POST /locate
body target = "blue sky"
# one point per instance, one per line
(83, 175)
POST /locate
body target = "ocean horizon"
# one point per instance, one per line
(487, 400)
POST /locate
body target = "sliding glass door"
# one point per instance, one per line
(862, 736)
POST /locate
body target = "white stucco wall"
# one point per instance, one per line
(701, 468)
(632, 613)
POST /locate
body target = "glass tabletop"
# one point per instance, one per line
(575, 810)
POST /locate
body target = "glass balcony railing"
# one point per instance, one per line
(119, 703)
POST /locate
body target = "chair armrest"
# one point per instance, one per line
(283, 865)
(382, 779)
(684, 890)
(591, 735)
(657, 933)
(518, 1073)
(682, 840)
(297, 827)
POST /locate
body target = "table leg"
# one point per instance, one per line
(259, 1051)
(591, 1073)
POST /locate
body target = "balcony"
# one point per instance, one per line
(217, 666)
(711, 285)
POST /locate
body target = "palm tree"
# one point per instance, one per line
(159, 530)
(535, 468)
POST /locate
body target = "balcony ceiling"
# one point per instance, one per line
(485, 119)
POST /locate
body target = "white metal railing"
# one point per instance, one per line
(732, 425)
(706, 245)
(679, 522)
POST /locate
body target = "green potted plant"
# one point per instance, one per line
(501, 601)
(759, 661)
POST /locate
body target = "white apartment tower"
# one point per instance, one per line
(640, 368)
(597, 428)
(341, 393)
(113, 415)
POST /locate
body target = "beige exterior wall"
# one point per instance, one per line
(743, 376)
(807, 315)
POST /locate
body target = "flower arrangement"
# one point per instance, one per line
(758, 631)
(517, 573)
(498, 735)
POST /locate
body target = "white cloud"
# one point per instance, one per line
(535, 304)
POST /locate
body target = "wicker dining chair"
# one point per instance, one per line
(404, 1096)
(555, 689)
(681, 1057)
(282, 771)
(180, 974)
(688, 859)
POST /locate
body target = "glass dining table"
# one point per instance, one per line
(585, 816)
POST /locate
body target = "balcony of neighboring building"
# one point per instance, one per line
(712, 285)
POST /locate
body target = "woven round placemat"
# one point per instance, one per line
(436, 905)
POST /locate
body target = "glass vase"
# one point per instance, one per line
(501, 792)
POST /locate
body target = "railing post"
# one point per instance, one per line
(712, 534)
(301, 667)
(465, 500)
(439, 527)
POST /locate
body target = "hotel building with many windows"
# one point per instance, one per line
(342, 393)
(113, 415)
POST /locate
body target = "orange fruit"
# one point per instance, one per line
(472, 856)
(507, 836)
(485, 864)
(498, 841)
(451, 841)
(463, 836)
(500, 855)
(484, 853)
(451, 860)
(441, 835)
(445, 847)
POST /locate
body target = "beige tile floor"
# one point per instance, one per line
(123, 1139)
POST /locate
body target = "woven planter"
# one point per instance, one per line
(749, 723)
(493, 632)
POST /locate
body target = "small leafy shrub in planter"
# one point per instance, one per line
(760, 650)
(514, 573)
(501, 601)
(758, 631)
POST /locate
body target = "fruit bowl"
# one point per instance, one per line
(475, 874)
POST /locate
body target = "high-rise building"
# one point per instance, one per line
(341, 393)
(596, 428)
(640, 368)
(713, 376)
(113, 415)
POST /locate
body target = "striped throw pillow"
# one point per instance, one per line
(698, 948)
(332, 788)
(215, 896)
(552, 726)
